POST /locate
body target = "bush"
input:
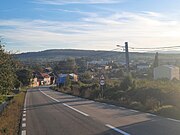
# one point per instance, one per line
(169, 111)
(128, 83)
(137, 106)
(95, 93)
(2, 99)
(152, 104)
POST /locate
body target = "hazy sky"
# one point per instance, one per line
(33, 25)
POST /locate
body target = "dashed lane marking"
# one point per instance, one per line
(23, 132)
(23, 125)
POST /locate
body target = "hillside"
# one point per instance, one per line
(61, 54)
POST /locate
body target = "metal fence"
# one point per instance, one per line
(3, 106)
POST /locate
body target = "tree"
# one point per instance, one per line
(7, 71)
(24, 76)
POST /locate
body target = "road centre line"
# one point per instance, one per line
(65, 104)
(117, 130)
(76, 110)
(49, 96)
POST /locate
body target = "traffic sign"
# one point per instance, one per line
(102, 82)
(102, 77)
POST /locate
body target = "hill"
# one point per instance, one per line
(61, 54)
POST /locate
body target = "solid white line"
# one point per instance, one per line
(117, 130)
(49, 96)
(24, 125)
(173, 120)
(76, 110)
(23, 132)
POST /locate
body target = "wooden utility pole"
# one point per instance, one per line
(127, 56)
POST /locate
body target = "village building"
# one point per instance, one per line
(166, 72)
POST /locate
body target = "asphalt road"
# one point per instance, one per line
(48, 112)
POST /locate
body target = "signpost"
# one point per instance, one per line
(102, 83)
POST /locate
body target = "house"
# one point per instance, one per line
(142, 66)
(73, 77)
(34, 82)
(166, 72)
(46, 79)
(62, 78)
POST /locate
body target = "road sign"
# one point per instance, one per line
(102, 82)
(102, 77)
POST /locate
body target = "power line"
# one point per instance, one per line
(167, 47)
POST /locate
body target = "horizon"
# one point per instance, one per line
(37, 25)
(148, 52)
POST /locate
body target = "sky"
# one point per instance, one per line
(36, 25)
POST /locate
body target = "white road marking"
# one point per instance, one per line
(65, 104)
(24, 119)
(112, 105)
(122, 108)
(76, 110)
(25, 101)
(150, 114)
(24, 125)
(49, 96)
(117, 130)
(173, 120)
(24, 115)
(134, 110)
(24, 111)
(23, 132)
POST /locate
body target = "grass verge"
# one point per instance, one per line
(10, 118)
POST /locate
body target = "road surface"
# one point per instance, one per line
(47, 112)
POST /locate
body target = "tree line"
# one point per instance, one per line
(12, 73)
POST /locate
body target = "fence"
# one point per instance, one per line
(3, 106)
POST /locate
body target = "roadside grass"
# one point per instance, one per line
(2, 99)
(10, 118)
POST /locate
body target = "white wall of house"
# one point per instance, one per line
(166, 71)
(47, 81)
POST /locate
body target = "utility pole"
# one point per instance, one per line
(156, 60)
(127, 56)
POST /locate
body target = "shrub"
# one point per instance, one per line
(137, 106)
(169, 111)
(128, 83)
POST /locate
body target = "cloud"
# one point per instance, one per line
(65, 2)
(93, 32)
